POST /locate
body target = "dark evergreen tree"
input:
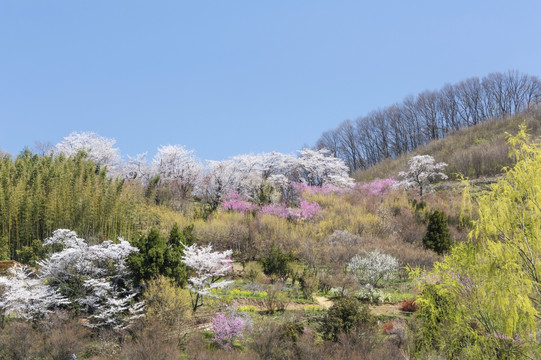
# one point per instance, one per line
(149, 262)
(174, 267)
(438, 237)
(276, 262)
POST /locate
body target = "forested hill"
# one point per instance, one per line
(431, 115)
(477, 151)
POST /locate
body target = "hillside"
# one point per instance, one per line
(476, 151)
(271, 256)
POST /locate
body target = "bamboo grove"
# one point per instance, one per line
(39, 194)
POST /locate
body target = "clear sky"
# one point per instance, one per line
(233, 77)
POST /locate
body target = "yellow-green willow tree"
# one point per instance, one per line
(483, 300)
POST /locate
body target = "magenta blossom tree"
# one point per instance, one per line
(238, 203)
(227, 328)
(380, 186)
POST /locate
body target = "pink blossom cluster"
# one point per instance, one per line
(239, 203)
(306, 210)
(379, 186)
(227, 328)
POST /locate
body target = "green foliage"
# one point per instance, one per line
(483, 300)
(173, 265)
(438, 237)
(344, 316)
(32, 253)
(291, 330)
(309, 283)
(166, 303)
(4, 248)
(157, 256)
(276, 262)
(149, 262)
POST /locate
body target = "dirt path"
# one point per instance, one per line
(387, 309)
(325, 302)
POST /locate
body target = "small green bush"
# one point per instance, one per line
(276, 263)
(346, 315)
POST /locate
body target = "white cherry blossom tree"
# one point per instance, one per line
(179, 167)
(209, 267)
(99, 149)
(26, 296)
(423, 169)
(95, 278)
(373, 267)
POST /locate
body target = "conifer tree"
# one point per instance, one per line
(438, 237)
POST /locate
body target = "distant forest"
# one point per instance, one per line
(431, 115)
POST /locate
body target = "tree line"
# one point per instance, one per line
(431, 115)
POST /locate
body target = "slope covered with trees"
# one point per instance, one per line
(272, 256)
(431, 115)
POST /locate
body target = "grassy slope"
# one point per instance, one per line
(477, 151)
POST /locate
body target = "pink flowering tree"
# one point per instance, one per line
(380, 186)
(228, 327)
(238, 203)
(209, 267)
(305, 211)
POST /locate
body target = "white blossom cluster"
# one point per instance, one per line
(209, 266)
(373, 267)
(244, 174)
(423, 169)
(98, 148)
(371, 294)
(93, 278)
(26, 296)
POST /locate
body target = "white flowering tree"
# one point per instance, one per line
(318, 168)
(246, 174)
(27, 297)
(179, 167)
(423, 169)
(95, 278)
(137, 168)
(373, 267)
(99, 149)
(209, 267)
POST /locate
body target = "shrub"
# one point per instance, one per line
(344, 316)
(375, 296)
(409, 306)
(309, 284)
(276, 300)
(438, 237)
(150, 342)
(167, 304)
(17, 341)
(62, 337)
(253, 271)
(276, 263)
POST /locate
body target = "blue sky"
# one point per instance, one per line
(234, 77)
